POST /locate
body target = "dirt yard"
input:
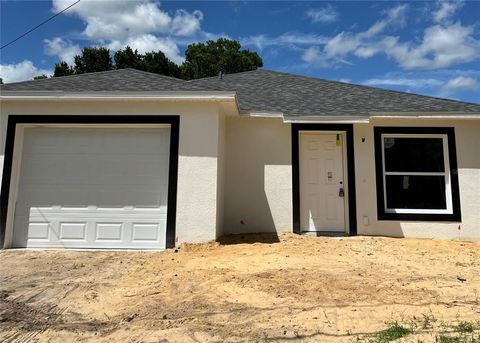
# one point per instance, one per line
(254, 288)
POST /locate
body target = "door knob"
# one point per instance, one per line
(341, 192)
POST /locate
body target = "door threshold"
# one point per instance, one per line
(325, 233)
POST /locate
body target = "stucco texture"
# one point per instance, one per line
(258, 183)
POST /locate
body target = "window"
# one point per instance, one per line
(416, 174)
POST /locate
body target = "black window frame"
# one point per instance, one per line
(455, 216)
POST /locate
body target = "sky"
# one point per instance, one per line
(430, 48)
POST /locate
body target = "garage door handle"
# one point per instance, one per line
(341, 193)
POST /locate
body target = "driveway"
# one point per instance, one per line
(245, 288)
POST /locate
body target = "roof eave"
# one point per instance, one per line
(338, 119)
(118, 96)
(425, 115)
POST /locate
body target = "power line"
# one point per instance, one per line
(42, 23)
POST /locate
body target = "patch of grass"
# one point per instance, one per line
(393, 332)
(464, 327)
(457, 339)
(426, 321)
(447, 339)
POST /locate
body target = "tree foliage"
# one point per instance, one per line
(208, 59)
(93, 60)
(62, 69)
(40, 77)
(153, 62)
(157, 62)
(201, 60)
(127, 58)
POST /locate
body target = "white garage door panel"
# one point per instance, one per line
(93, 188)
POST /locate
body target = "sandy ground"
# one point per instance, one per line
(254, 288)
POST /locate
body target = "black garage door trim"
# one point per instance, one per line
(174, 122)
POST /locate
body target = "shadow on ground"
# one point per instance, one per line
(249, 238)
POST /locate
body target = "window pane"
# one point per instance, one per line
(416, 192)
(413, 154)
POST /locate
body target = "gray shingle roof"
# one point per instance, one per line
(264, 90)
(113, 80)
(260, 91)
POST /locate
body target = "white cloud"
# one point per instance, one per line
(442, 45)
(395, 17)
(148, 42)
(140, 24)
(314, 56)
(292, 39)
(367, 51)
(445, 83)
(446, 10)
(344, 43)
(337, 48)
(65, 50)
(404, 82)
(323, 15)
(186, 24)
(462, 82)
(118, 19)
(21, 71)
(321, 50)
(341, 45)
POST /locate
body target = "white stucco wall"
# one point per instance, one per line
(467, 136)
(221, 167)
(235, 169)
(258, 184)
(199, 144)
(258, 179)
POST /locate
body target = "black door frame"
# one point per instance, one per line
(352, 203)
(172, 120)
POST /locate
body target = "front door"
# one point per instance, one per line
(322, 182)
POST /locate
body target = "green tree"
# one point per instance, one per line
(127, 58)
(40, 77)
(93, 60)
(201, 60)
(153, 62)
(208, 59)
(62, 69)
(1, 81)
(157, 62)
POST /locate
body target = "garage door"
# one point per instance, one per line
(93, 188)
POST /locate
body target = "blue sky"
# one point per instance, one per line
(430, 48)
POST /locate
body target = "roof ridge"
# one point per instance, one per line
(213, 77)
(63, 76)
(152, 73)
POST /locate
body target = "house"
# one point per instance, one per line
(134, 160)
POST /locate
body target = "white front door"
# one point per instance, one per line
(322, 183)
(93, 188)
